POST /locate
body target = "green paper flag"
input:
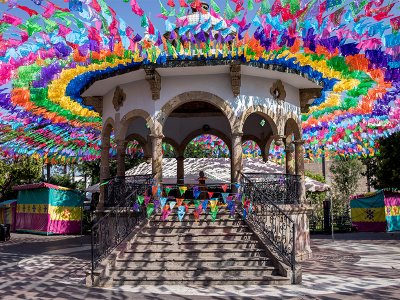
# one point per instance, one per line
(197, 203)
(214, 214)
(140, 199)
(167, 190)
(250, 5)
(143, 21)
(215, 7)
(229, 13)
(265, 7)
(149, 209)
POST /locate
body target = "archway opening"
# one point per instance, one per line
(201, 129)
(260, 129)
(251, 149)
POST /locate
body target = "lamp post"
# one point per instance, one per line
(323, 162)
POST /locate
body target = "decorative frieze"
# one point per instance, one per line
(119, 98)
(236, 77)
(154, 79)
(278, 91)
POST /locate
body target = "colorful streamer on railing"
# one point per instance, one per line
(210, 199)
(49, 55)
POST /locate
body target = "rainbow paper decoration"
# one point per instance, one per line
(48, 54)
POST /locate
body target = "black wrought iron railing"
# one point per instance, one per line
(119, 188)
(121, 219)
(270, 221)
(280, 188)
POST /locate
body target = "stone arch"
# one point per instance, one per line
(108, 127)
(268, 114)
(260, 143)
(142, 142)
(292, 127)
(174, 144)
(130, 116)
(198, 132)
(186, 97)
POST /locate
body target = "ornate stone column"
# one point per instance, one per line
(121, 148)
(156, 156)
(104, 172)
(289, 159)
(236, 156)
(299, 165)
(180, 170)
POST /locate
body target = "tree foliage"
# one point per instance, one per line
(346, 173)
(387, 166)
(18, 171)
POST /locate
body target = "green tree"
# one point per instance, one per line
(64, 180)
(18, 171)
(346, 173)
(387, 169)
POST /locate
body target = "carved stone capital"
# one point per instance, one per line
(154, 79)
(156, 136)
(119, 98)
(279, 140)
(237, 134)
(299, 142)
(278, 91)
(235, 72)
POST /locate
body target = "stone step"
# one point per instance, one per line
(217, 229)
(201, 280)
(201, 254)
(193, 272)
(194, 245)
(214, 262)
(189, 236)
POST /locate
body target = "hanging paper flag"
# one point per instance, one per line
(213, 203)
(224, 187)
(181, 213)
(182, 189)
(136, 8)
(163, 201)
(214, 212)
(167, 190)
(172, 204)
(395, 23)
(140, 199)
(224, 196)
(250, 4)
(171, 3)
(244, 213)
(210, 194)
(196, 193)
(147, 200)
(186, 204)
(179, 201)
(237, 185)
(215, 7)
(156, 204)
(75, 5)
(154, 190)
(197, 203)
(196, 213)
(136, 207)
(165, 212)
(204, 205)
(182, 3)
(229, 13)
(149, 209)
(144, 21)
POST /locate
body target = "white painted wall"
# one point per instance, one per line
(254, 90)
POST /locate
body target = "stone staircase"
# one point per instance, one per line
(199, 253)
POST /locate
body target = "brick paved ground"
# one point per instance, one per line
(354, 266)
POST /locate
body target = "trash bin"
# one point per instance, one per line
(5, 232)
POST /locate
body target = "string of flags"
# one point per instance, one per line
(49, 54)
(179, 198)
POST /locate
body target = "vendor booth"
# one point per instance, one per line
(48, 209)
(8, 211)
(378, 211)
